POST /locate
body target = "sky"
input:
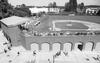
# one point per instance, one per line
(46, 2)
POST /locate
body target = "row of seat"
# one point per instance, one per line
(64, 33)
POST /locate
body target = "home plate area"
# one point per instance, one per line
(59, 25)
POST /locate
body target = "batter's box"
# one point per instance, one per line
(59, 25)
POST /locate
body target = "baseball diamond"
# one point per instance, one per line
(74, 25)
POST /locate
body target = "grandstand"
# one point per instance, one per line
(56, 34)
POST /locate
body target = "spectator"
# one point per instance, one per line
(34, 52)
(18, 53)
(65, 53)
(10, 61)
(5, 50)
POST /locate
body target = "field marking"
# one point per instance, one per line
(92, 26)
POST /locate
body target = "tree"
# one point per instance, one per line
(81, 6)
(54, 4)
(67, 6)
(4, 9)
(23, 5)
(73, 5)
(19, 13)
(50, 4)
(22, 11)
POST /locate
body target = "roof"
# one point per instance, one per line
(14, 20)
(92, 6)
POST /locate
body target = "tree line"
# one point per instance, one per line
(69, 6)
(7, 10)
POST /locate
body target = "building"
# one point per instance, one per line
(46, 10)
(54, 10)
(38, 10)
(10, 26)
(48, 36)
(92, 10)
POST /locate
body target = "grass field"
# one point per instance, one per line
(46, 22)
